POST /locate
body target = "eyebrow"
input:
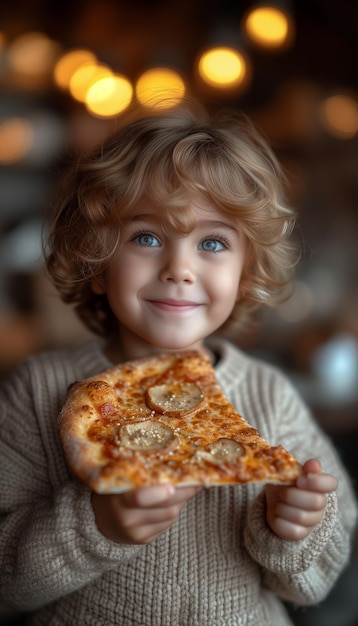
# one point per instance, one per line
(142, 217)
(151, 217)
(217, 224)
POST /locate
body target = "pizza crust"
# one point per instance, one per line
(164, 419)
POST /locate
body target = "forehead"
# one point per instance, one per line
(182, 216)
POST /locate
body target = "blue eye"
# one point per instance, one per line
(212, 245)
(148, 240)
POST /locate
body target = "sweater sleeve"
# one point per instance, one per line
(304, 571)
(49, 542)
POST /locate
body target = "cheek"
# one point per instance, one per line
(226, 285)
(126, 279)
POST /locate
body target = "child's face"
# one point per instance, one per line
(171, 292)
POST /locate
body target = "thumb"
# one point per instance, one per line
(312, 466)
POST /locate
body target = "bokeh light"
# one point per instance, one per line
(32, 54)
(160, 87)
(223, 67)
(16, 139)
(109, 96)
(339, 116)
(269, 26)
(69, 63)
(85, 77)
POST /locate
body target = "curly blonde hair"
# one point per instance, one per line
(163, 157)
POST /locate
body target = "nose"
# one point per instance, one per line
(177, 264)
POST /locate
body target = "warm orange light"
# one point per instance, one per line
(339, 115)
(160, 87)
(67, 65)
(32, 54)
(85, 77)
(109, 96)
(269, 26)
(16, 138)
(223, 67)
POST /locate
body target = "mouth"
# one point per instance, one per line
(174, 306)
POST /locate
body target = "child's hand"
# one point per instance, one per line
(139, 516)
(293, 512)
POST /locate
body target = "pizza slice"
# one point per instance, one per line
(164, 419)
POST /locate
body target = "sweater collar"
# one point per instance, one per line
(231, 368)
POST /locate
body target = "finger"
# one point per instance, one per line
(182, 494)
(300, 517)
(148, 497)
(160, 495)
(133, 522)
(169, 510)
(147, 517)
(312, 466)
(323, 483)
(289, 531)
(301, 499)
(147, 534)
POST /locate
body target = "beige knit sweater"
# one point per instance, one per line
(219, 565)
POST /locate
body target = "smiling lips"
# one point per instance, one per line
(174, 306)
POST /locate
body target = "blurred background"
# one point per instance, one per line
(69, 69)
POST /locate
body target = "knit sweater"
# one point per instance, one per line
(218, 565)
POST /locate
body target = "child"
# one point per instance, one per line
(165, 232)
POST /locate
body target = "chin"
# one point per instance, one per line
(178, 346)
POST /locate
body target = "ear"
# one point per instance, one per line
(98, 285)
